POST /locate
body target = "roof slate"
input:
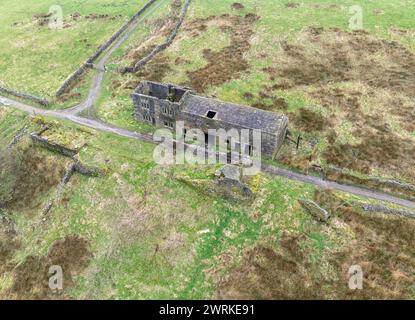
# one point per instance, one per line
(243, 116)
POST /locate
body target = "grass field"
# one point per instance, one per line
(335, 100)
(144, 231)
(301, 59)
(35, 58)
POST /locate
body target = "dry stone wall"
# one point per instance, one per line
(23, 95)
(53, 146)
(140, 64)
(385, 210)
(340, 175)
(75, 76)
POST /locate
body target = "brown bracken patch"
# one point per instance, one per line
(383, 247)
(180, 60)
(326, 6)
(348, 101)
(303, 162)
(155, 71)
(8, 245)
(292, 5)
(163, 26)
(229, 62)
(378, 12)
(380, 146)
(259, 101)
(382, 77)
(139, 53)
(237, 6)
(278, 103)
(308, 120)
(41, 19)
(31, 278)
(45, 173)
(269, 274)
(323, 56)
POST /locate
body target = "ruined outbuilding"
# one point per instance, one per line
(163, 105)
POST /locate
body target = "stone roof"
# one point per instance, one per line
(244, 116)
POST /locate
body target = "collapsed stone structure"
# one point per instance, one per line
(315, 210)
(163, 105)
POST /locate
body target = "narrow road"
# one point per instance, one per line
(95, 89)
(273, 170)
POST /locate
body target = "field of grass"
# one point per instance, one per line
(348, 93)
(36, 59)
(249, 54)
(145, 231)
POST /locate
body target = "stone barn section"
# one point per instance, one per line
(163, 104)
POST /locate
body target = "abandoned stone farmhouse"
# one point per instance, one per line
(163, 104)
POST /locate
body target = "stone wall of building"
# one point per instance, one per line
(270, 143)
(162, 111)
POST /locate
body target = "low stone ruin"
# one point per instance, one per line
(228, 178)
(315, 210)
